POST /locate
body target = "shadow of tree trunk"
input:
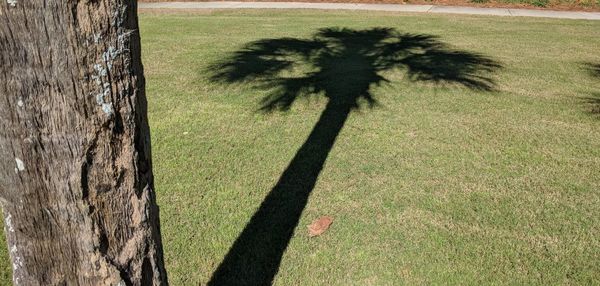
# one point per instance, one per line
(255, 256)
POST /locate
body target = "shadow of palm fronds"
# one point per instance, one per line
(342, 65)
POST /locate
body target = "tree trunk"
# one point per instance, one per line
(76, 183)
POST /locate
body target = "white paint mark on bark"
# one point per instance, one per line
(20, 102)
(18, 260)
(8, 221)
(20, 164)
(12, 3)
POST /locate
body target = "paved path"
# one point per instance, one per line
(374, 7)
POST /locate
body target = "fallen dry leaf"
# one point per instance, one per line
(319, 226)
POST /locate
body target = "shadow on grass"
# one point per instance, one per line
(593, 101)
(593, 69)
(342, 65)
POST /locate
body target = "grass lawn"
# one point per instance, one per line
(577, 5)
(463, 172)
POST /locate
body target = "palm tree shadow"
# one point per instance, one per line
(593, 101)
(342, 65)
(593, 69)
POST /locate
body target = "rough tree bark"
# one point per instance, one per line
(76, 183)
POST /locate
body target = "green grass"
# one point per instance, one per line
(540, 3)
(437, 184)
(551, 4)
